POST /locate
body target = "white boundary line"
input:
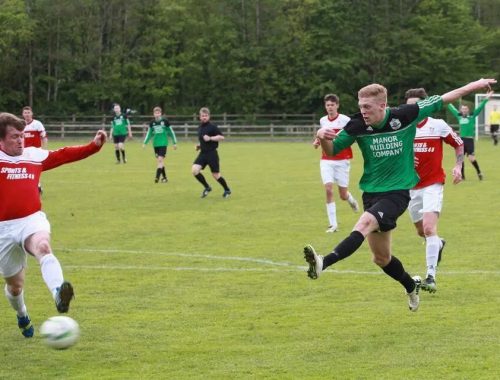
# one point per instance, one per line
(289, 267)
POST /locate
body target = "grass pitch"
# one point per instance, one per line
(171, 286)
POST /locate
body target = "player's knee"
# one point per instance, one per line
(195, 170)
(42, 247)
(380, 261)
(429, 231)
(344, 196)
(216, 175)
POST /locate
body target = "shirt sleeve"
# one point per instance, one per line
(343, 140)
(453, 111)
(428, 106)
(148, 135)
(171, 133)
(479, 108)
(69, 154)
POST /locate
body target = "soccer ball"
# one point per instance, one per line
(60, 332)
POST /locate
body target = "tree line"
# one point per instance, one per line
(237, 56)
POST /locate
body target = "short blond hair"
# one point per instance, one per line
(157, 109)
(374, 90)
(205, 110)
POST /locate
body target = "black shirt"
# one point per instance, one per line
(210, 130)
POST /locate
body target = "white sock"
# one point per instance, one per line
(350, 199)
(17, 302)
(51, 272)
(432, 245)
(331, 210)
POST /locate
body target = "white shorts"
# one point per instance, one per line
(426, 199)
(335, 171)
(13, 234)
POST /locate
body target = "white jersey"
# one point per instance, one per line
(34, 133)
(337, 124)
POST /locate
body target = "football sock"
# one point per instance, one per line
(223, 183)
(158, 172)
(17, 302)
(396, 270)
(476, 165)
(117, 154)
(201, 179)
(345, 249)
(51, 272)
(331, 211)
(350, 199)
(432, 246)
(163, 172)
(123, 155)
(463, 171)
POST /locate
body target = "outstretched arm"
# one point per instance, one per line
(74, 153)
(467, 89)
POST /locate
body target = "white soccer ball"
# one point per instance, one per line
(60, 332)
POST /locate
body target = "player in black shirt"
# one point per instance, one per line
(209, 136)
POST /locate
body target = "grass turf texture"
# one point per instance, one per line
(169, 285)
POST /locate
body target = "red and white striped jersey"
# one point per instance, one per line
(34, 133)
(20, 175)
(428, 147)
(337, 124)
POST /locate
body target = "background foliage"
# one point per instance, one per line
(245, 56)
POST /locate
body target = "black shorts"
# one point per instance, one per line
(468, 145)
(208, 158)
(119, 139)
(494, 129)
(386, 207)
(160, 151)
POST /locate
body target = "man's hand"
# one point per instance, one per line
(316, 143)
(457, 174)
(197, 147)
(206, 138)
(100, 137)
(175, 146)
(326, 134)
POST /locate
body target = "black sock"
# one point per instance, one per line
(158, 172)
(223, 183)
(396, 270)
(163, 172)
(463, 171)
(476, 165)
(123, 155)
(201, 179)
(345, 249)
(117, 154)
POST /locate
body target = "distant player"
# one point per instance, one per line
(335, 169)
(160, 130)
(467, 123)
(120, 130)
(209, 136)
(427, 196)
(494, 124)
(34, 134)
(24, 228)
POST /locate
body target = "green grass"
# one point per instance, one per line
(172, 286)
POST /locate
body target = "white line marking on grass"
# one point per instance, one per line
(179, 254)
(291, 267)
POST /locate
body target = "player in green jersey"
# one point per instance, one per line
(160, 131)
(467, 123)
(120, 129)
(385, 137)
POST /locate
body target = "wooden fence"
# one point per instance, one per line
(74, 130)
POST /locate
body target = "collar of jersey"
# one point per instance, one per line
(382, 123)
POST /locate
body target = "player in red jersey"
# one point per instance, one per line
(427, 196)
(24, 228)
(335, 169)
(34, 133)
